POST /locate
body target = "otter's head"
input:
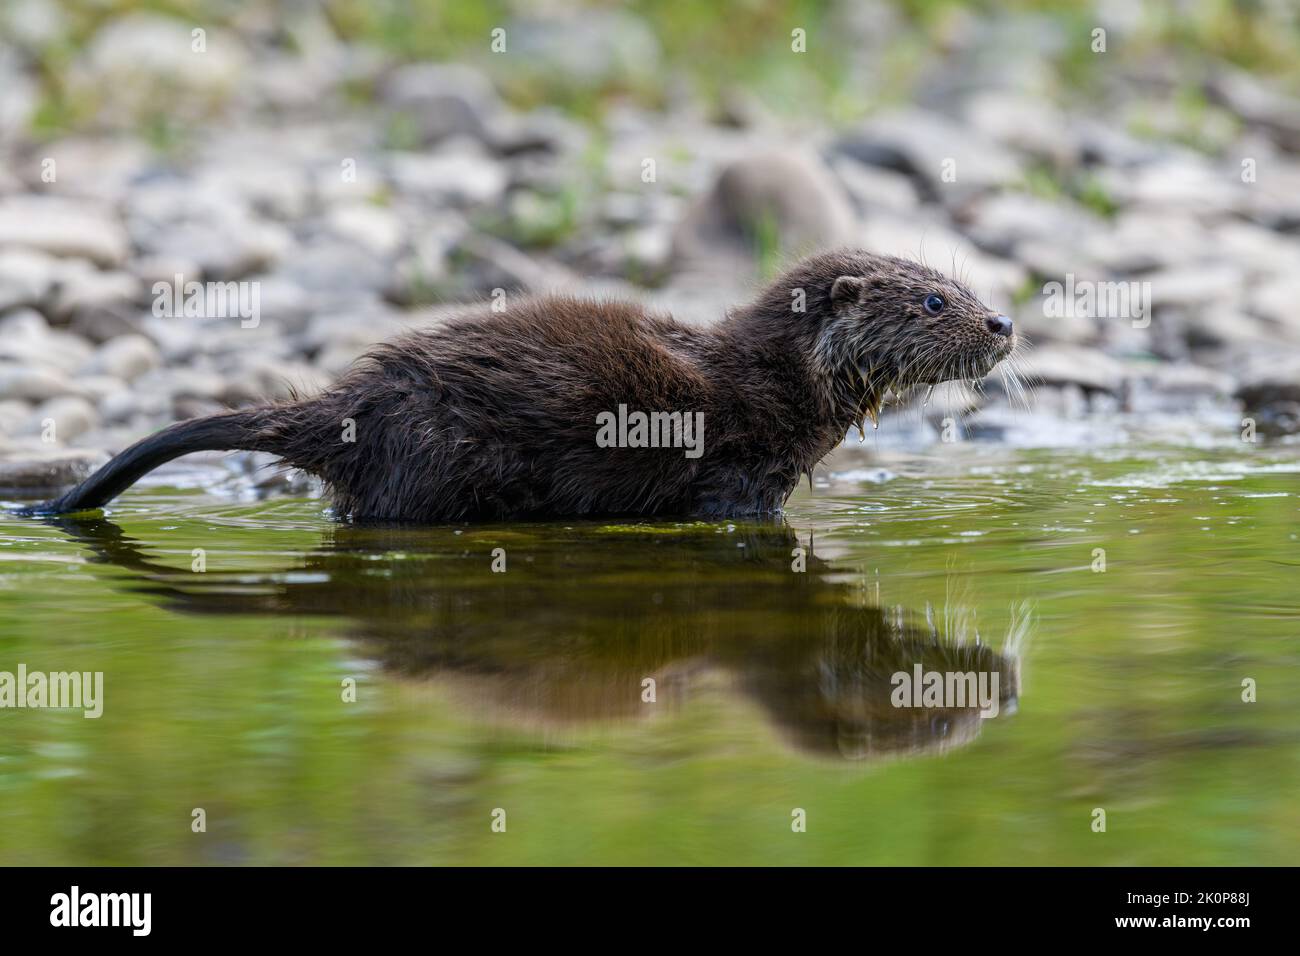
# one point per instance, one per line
(899, 324)
(865, 324)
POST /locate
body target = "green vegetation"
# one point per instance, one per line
(714, 48)
(1084, 188)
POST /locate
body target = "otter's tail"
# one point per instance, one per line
(229, 431)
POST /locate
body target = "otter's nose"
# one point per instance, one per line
(998, 324)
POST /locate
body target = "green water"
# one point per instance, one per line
(523, 690)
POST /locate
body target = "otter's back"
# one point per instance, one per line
(496, 415)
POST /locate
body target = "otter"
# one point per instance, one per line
(496, 415)
(815, 652)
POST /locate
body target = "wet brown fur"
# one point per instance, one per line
(494, 415)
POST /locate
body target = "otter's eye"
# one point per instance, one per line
(933, 303)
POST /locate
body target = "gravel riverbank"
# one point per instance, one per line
(338, 219)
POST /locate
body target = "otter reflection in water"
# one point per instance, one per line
(583, 616)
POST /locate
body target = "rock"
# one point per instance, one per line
(949, 162)
(418, 275)
(62, 227)
(35, 473)
(1270, 390)
(945, 400)
(1274, 199)
(538, 219)
(1106, 145)
(31, 384)
(459, 177)
(374, 227)
(1005, 222)
(227, 343)
(1209, 127)
(1050, 260)
(1250, 99)
(336, 358)
(19, 96)
(183, 408)
(26, 277)
(875, 187)
(1176, 387)
(1225, 329)
(270, 186)
(1034, 321)
(95, 167)
(359, 327)
(224, 250)
(699, 298)
(102, 325)
(22, 324)
(99, 387)
(13, 417)
(646, 252)
(1060, 365)
(622, 209)
(177, 338)
(83, 289)
(33, 24)
(314, 63)
(1025, 123)
(787, 201)
(1278, 301)
(270, 380)
(64, 418)
(1185, 184)
(163, 267)
(353, 177)
(130, 406)
(1198, 286)
(920, 239)
(441, 100)
(1256, 250)
(141, 64)
(26, 339)
(127, 358)
(201, 222)
(332, 267)
(586, 48)
(180, 382)
(284, 304)
(545, 131)
(491, 264)
(1141, 242)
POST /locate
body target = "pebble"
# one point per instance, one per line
(63, 227)
(35, 472)
(126, 357)
(31, 383)
(1058, 365)
(26, 277)
(788, 199)
(947, 161)
(462, 178)
(350, 221)
(64, 418)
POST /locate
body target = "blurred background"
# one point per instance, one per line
(365, 165)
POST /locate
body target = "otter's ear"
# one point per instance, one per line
(847, 291)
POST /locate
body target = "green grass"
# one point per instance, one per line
(713, 48)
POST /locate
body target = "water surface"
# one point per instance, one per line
(770, 646)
